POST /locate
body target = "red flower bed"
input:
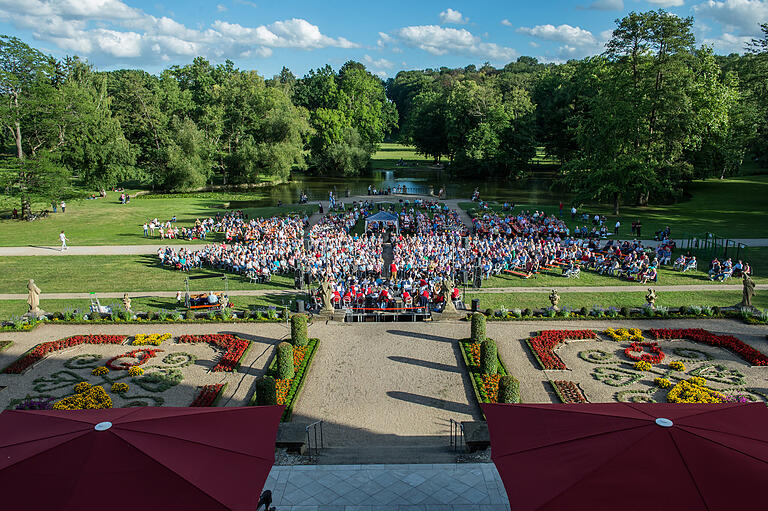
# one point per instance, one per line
(234, 348)
(569, 392)
(636, 352)
(745, 351)
(141, 355)
(208, 395)
(41, 350)
(544, 344)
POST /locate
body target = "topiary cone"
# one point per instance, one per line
(285, 369)
(509, 390)
(299, 330)
(266, 393)
(477, 332)
(489, 358)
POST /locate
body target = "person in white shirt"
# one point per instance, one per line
(64, 240)
(616, 228)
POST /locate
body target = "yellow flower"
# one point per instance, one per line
(135, 371)
(92, 398)
(100, 371)
(691, 391)
(662, 382)
(677, 365)
(81, 387)
(642, 365)
(154, 339)
(119, 387)
(622, 334)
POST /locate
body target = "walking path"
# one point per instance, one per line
(439, 487)
(488, 290)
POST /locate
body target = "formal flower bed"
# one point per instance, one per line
(568, 391)
(141, 355)
(625, 335)
(543, 345)
(636, 352)
(209, 395)
(746, 352)
(694, 390)
(86, 397)
(5, 345)
(234, 349)
(287, 391)
(642, 365)
(41, 350)
(153, 339)
(485, 386)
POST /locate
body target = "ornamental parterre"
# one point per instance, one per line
(208, 395)
(746, 352)
(234, 349)
(543, 345)
(40, 351)
(636, 352)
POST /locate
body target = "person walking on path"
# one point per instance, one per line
(63, 207)
(64, 240)
(616, 228)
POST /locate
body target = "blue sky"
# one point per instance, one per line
(385, 36)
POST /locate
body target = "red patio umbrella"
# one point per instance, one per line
(631, 455)
(131, 458)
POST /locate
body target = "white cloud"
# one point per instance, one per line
(221, 8)
(451, 16)
(439, 40)
(740, 16)
(575, 36)
(506, 22)
(606, 5)
(728, 43)
(108, 29)
(377, 63)
(667, 3)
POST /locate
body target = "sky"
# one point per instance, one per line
(385, 36)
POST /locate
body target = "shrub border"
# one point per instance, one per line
(471, 374)
(298, 380)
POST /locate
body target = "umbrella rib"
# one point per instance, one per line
(688, 470)
(195, 412)
(588, 473)
(44, 450)
(117, 432)
(171, 470)
(573, 440)
(685, 428)
(43, 438)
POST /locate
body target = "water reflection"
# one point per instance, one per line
(533, 190)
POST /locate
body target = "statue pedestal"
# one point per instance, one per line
(36, 314)
(447, 315)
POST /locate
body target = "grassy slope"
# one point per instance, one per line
(390, 154)
(107, 222)
(731, 208)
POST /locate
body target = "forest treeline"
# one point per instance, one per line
(630, 125)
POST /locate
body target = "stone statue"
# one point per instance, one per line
(747, 293)
(651, 298)
(127, 302)
(33, 300)
(325, 295)
(446, 289)
(554, 299)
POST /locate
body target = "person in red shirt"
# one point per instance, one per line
(455, 294)
(393, 271)
(406, 296)
(425, 297)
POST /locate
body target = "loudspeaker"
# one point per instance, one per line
(298, 283)
(478, 277)
(300, 306)
(464, 277)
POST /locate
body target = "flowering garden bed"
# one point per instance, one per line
(209, 395)
(39, 352)
(234, 348)
(288, 390)
(568, 391)
(543, 345)
(736, 346)
(485, 387)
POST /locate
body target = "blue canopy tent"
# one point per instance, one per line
(384, 218)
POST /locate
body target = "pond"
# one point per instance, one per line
(532, 190)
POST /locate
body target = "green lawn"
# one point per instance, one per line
(733, 208)
(107, 222)
(524, 300)
(390, 154)
(11, 308)
(83, 274)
